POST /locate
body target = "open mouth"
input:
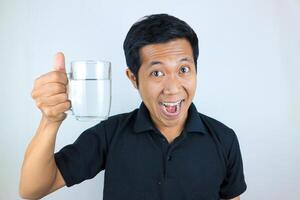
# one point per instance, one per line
(171, 109)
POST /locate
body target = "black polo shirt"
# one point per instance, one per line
(203, 163)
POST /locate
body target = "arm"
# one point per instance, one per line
(234, 183)
(39, 173)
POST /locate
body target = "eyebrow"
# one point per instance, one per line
(188, 59)
(185, 59)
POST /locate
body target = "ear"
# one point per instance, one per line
(131, 77)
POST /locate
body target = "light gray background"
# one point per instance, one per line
(248, 78)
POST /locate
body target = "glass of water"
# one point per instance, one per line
(90, 89)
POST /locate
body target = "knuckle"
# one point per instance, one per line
(33, 94)
(67, 105)
(39, 104)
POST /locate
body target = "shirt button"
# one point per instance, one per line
(159, 182)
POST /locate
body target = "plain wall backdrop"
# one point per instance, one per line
(248, 78)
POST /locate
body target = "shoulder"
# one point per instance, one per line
(221, 132)
(215, 124)
(114, 123)
(120, 120)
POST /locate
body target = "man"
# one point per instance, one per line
(163, 150)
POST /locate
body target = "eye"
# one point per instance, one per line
(157, 73)
(184, 69)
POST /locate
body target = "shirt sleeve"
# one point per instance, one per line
(85, 158)
(234, 183)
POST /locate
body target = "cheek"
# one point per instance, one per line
(190, 85)
(150, 90)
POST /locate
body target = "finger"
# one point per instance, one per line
(52, 100)
(51, 77)
(49, 89)
(53, 111)
(59, 62)
(58, 118)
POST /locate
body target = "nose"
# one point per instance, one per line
(172, 85)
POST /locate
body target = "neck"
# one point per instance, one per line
(171, 132)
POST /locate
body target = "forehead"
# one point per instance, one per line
(170, 50)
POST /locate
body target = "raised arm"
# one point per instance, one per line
(39, 174)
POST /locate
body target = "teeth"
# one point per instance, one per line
(171, 104)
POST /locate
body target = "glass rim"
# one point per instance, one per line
(90, 62)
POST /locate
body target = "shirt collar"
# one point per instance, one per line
(194, 122)
(143, 121)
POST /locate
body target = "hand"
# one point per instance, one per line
(50, 91)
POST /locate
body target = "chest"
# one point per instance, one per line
(190, 166)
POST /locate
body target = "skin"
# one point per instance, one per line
(39, 174)
(167, 74)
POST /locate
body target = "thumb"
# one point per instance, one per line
(59, 62)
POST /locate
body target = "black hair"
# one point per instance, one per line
(153, 29)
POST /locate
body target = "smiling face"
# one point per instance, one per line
(167, 81)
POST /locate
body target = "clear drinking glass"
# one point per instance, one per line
(90, 89)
